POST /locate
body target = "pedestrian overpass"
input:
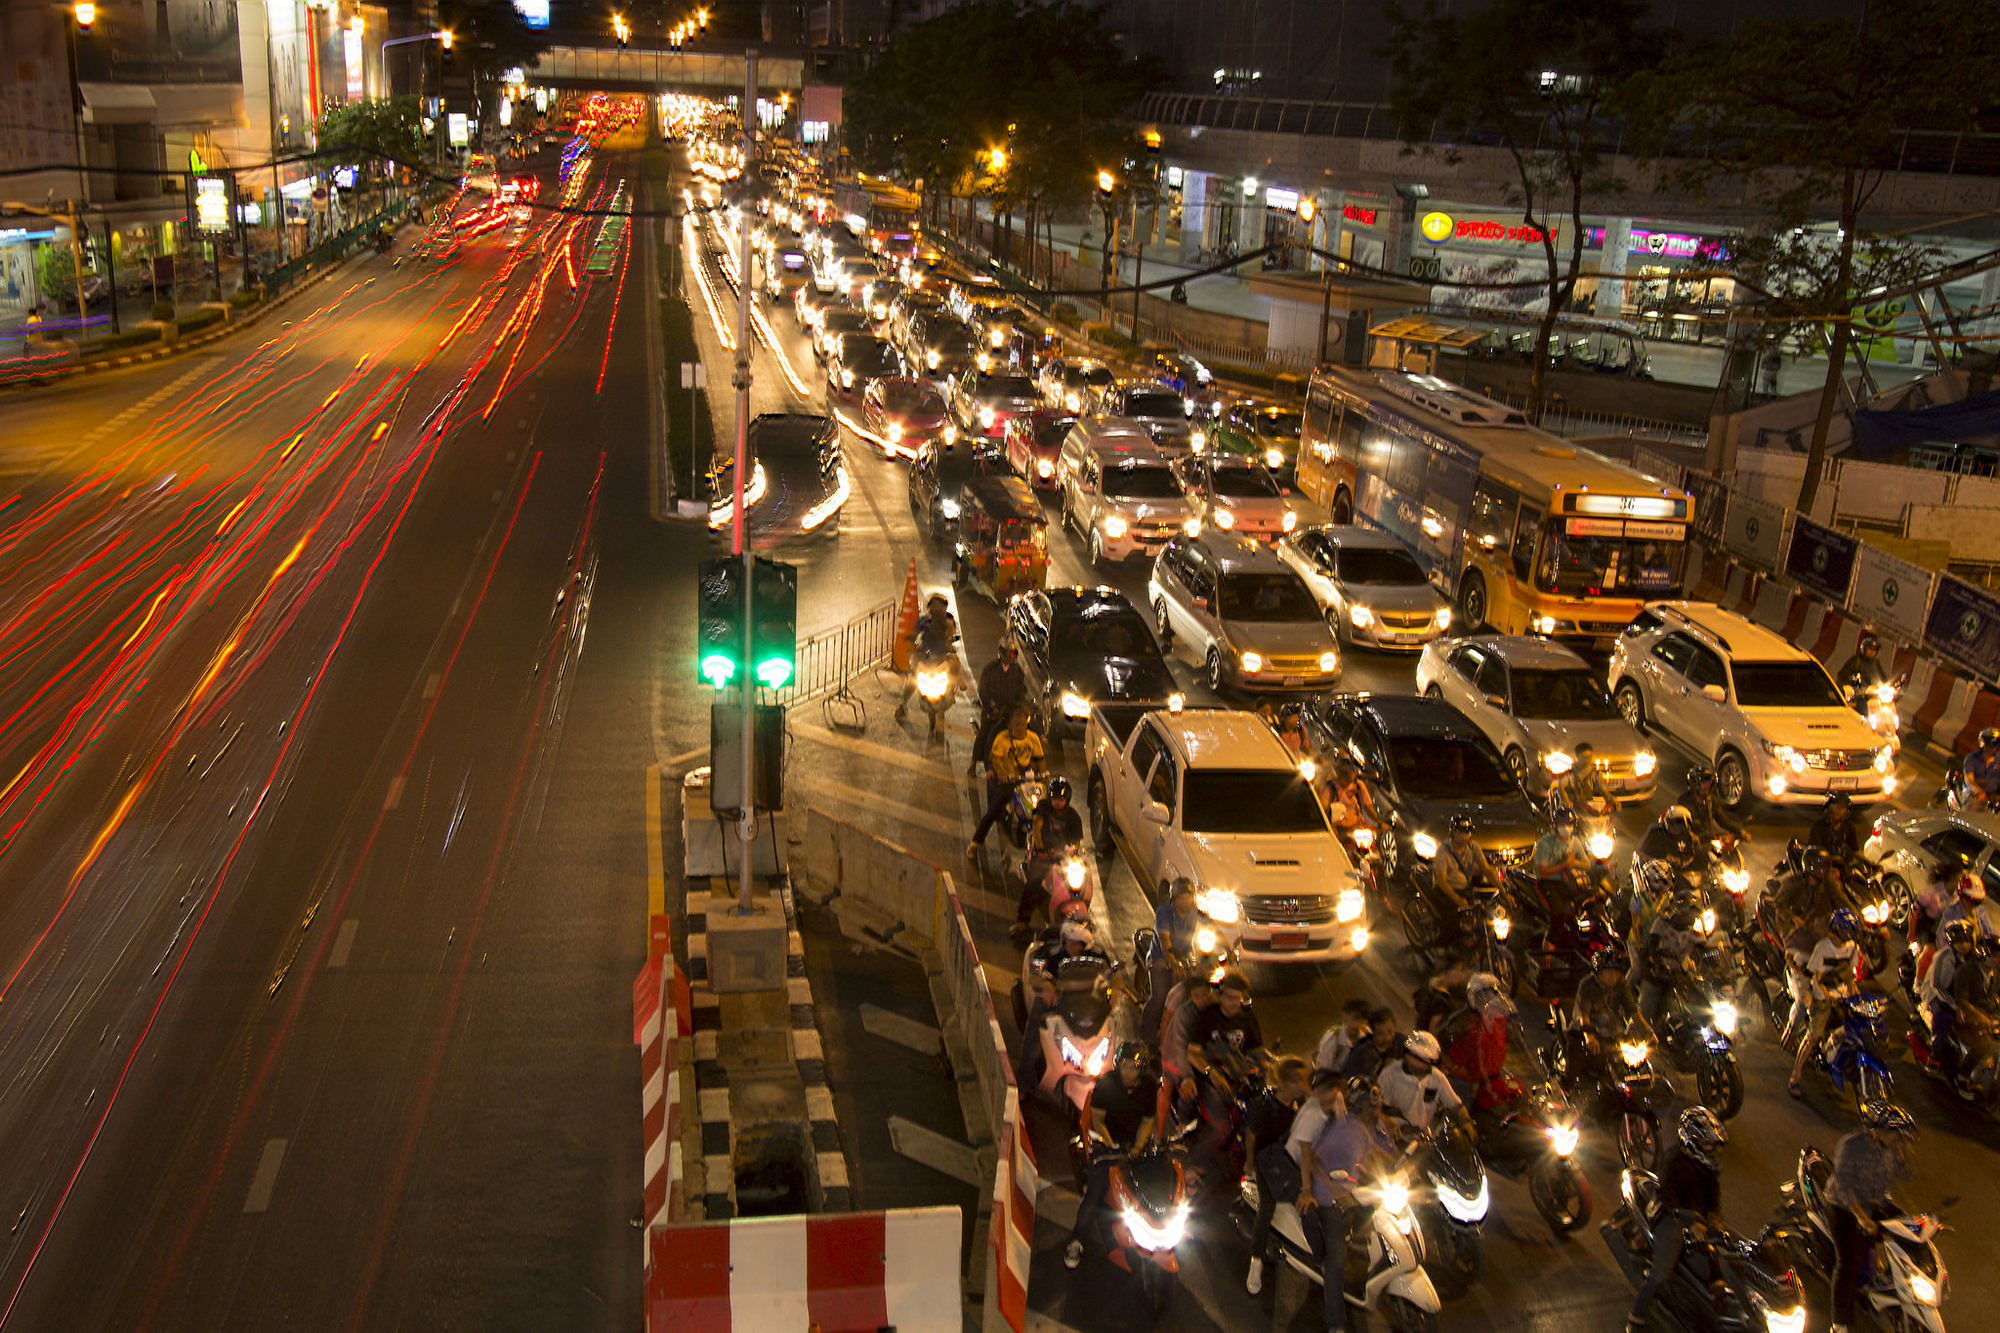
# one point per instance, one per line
(622, 69)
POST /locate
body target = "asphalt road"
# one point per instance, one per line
(890, 780)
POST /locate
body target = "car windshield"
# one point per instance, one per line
(1783, 685)
(1050, 435)
(1379, 567)
(1155, 405)
(1095, 375)
(912, 398)
(1448, 768)
(1571, 695)
(874, 359)
(1244, 482)
(1226, 800)
(1278, 425)
(1141, 483)
(1598, 565)
(1267, 599)
(845, 321)
(1007, 386)
(1105, 631)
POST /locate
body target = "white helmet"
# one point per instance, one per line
(1078, 931)
(1424, 1046)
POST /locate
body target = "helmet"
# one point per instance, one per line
(1007, 650)
(1657, 876)
(1971, 889)
(1562, 817)
(1990, 736)
(1482, 991)
(1840, 800)
(1361, 1094)
(1816, 861)
(1886, 1115)
(1844, 925)
(1868, 643)
(1074, 930)
(1608, 958)
(1956, 931)
(1458, 824)
(1130, 1049)
(1424, 1046)
(937, 599)
(1701, 775)
(1293, 712)
(1701, 1133)
(1059, 789)
(1677, 817)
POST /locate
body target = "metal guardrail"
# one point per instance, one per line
(828, 661)
(335, 247)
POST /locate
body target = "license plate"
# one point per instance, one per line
(1843, 784)
(1295, 680)
(1290, 939)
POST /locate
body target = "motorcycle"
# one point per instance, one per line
(1148, 1203)
(1384, 1268)
(1020, 813)
(1969, 1062)
(1723, 1283)
(1627, 1095)
(1076, 1037)
(937, 684)
(1535, 1135)
(1557, 939)
(1877, 703)
(383, 242)
(1069, 881)
(1952, 794)
(1697, 1028)
(1849, 1055)
(1727, 869)
(1909, 1282)
(1452, 1215)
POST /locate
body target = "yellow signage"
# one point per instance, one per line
(1437, 227)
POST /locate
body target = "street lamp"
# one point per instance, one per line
(999, 160)
(86, 14)
(1106, 183)
(621, 28)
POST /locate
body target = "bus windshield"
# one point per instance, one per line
(1594, 566)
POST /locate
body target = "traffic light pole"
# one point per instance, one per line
(747, 818)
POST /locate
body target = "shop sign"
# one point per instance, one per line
(1286, 200)
(1664, 244)
(1437, 228)
(459, 129)
(1355, 213)
(211, 206)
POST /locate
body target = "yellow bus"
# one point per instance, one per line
(1526, 532)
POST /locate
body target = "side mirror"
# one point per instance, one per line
(1201, 604)
(1155, 813)
(1714, 694)
(1499, 701)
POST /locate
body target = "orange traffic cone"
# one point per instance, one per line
(906, 621)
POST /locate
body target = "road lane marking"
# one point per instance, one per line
(656, 870)
(266, 1178)
(395, 797)
(890, 1026)
(431, 685)
(343, 943)
(929, 1148)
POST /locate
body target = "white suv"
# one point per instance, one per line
(1762, 710)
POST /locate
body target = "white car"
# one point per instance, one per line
(1761, 710)
(1238, 495)
(1373, 590)
(1536, 700)
(1236, 610)
(1908, 846)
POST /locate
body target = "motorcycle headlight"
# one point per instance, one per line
(1252, 663)
(1154, 1239)
(931, 684)
(1364, 838)
(1099, 1058)
(1224, 519)
(987, 417)
(1219, 905)
(1885, 693)
(1923, 1289)
(1563, 1138)
(1725, 1016)
(1198, 440)
(1360, 616)
(1634, 1053)
(1045, 468)
(1643, 764)
(1736, 881)
(846, 379)
(1424, 845)
(1328, 663)
(1115, 526)
(1395, 1197)
(1558, 762)
(1707, 923)
(1502, 927)
(1785, 1321)
(1874, 913)
(1290, 521)
(1075, 705)
(1204, 940)
(1601, 845)
(949, 508)
(950, 432)
(983, 360)
(931, 360)
(1308, 769)
(1074, 873)
(998, 337)
(1350, 905)
(1069, 1053)
(1462, 1208)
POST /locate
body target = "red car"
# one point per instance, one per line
(899, 413)
(1034, 445)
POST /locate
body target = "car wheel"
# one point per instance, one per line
(1517, 761)
(1631, 705)
(1900, 900)
(1732, 779)
(1164, 625)
(1392, 857)
(1096, 548)
(1217, 678)
(1343, 508)
(1472, 602)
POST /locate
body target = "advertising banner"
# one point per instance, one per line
(1821, 559)
(1964, 625)
(1891, 594)
(1753, 530)
(211, 206)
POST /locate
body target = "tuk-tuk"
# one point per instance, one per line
(1003, 545)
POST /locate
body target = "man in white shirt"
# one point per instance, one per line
(1338, 1040)
(1828, 976)
(1414, 1091)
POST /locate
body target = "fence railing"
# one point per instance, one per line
(830, 659)
(335, 247)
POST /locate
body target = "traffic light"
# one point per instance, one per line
(719, 620)
(774, 619)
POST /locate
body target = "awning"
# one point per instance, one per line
(1420, 329)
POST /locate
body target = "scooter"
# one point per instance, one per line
(1723, 1283)
(1968, 1064)
(1697, 1029)
(1727, 870)
(1556, 939)
(1910, 1282)
(1076, 1036)
(1456, 1210)
(1384, 1268)
(1627, 1093)
(1877, 703)
(1535, 1136)
(1148, 1203)
(1849, 1055)
(936, 686)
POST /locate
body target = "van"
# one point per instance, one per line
(1119, 491)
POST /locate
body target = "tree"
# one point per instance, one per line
(1812, 111)
(374, 128)
(1539, 79)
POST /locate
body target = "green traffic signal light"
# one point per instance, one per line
(774, 613)
(718, 669)
(719, 620)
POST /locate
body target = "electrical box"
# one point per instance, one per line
(725, 750)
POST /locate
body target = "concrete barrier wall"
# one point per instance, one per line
(903, 885)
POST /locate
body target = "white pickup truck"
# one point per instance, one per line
(1214, 795)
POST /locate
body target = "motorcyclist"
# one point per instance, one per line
(1230, 1020)
(1667, 953)
(1563, 865)
(1827, 975)
(1477, 1052)
(1982, 769)
(1123, 1113)
(932, 640)
(1605, 1006)
(1689, 1204)
(1415, 1091)
(1953, 992)
(1707, 815)
(1460, 866)
(1338, 1040)
(1968, 906)
(1867, 1165)
(1835, 831)
(1016, 754)
(1346, 1151)
(1056, 828)
(1175, 922)
(1192, 997)
(1265, 1129)
(1928, 903)
(1860, 674)
(1348, 798)
(1383, 1045)
(1808, 894)
(1002, 689)
(1583, 783)
(1073, 941)
(1291, 729)
(1673, 839)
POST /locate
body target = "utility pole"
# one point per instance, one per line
(1325, 310)
(747, 811)
(1138, 263)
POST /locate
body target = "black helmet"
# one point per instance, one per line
(1129, 1049)
(1989, 736)
(1059, 789)
(1562, 817)
(1816, 861)
(1701, 1134)
(1840, 800)
(1007, 650)
(1293, 712)
(1701, 775)
(1458, 824)
(1886, 1115)
(1868, 644)
(1609, 957)
(1361, 1094)
(1844, 925)
(1956, 931)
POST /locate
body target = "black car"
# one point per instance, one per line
(1425, 761)
(798, 481)
(859, 360)
(933, 338)
(1082, 646)
(938, 475)
(836, 323)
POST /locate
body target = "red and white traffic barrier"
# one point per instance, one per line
(1013, 1239)
(660, 1018)
(843, 1273)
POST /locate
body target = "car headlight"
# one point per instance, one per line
(1252, 663)
(987, 417)
(982, 360)
(931, 360)
(1074, 704)
(1115, 526)
(1198, 439)
(1424, 845)
(1544, 624)
(1192, 527)
(1308, 769)
(1290, 521)
(1563, 1138)
(847, 379)
(881, 312)
(1274, 458)
(895, 431)
(1778, 752)
(1350, 905)
(1600, 846)
(1558, 762)
(1643, 764)
(1219, 905)
(1796, 762)
(950, 432)
(1045, 467)
(1883, 758)
(1328, 663)
(1458, 1205)
(997, 337)
(1444, 617)
(1359, 939)
(948, 507)
(1364, 837)
(1706, 925)
(1724, 1016)
(1223, 519)
(1072, 402)
(1360, 616)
